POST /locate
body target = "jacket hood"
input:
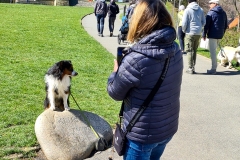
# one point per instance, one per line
(159, 44)
(112, 3)
(217, 9)
(193, 6)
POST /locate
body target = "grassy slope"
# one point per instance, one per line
(33, 38)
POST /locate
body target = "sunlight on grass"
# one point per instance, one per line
(33, 38)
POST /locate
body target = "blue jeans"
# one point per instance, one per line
(139, 151)
(100, 23)
(111, 21)
(181, 36)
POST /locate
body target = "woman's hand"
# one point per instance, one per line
(115, 68)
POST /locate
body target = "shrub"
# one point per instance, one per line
(231, 38)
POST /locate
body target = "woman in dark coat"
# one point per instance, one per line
(152, 34)
(113, 10)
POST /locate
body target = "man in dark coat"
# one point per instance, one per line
(216, 25)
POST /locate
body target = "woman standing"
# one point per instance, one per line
(152, 34)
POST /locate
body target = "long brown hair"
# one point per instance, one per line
(148, 15)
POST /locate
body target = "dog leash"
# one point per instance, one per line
(222, 51)
(101, 144)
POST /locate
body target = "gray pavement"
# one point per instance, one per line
(209, 123)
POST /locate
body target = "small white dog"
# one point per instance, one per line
(228, 54)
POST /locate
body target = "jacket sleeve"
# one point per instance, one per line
(226, 23)
(185, 21)
(128, 11)
(203, 19)
(206, 27)
(117, 10)
(122, 81)
(95, 8)
(106, 9)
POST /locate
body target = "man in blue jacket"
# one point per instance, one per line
(216, 25)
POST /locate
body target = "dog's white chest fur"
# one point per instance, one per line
(62, 87)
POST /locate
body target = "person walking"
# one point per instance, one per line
(216, 25)
(113, 10)
(100, 11)
(181, 34)
(130, 9)
(152, 34)
(192, 25)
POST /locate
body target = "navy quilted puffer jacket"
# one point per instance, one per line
(136, 77)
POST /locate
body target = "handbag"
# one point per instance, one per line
(204, 44)
(119, 141)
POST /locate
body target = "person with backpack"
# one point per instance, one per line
(100, 11)
(193, 22)
(113, 10)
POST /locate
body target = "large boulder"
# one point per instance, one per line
(67, 136)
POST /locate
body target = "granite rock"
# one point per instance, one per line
(67, 136)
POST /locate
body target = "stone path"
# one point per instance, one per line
(209, 124)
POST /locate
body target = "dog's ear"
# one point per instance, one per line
(59, 69)
(60, 65)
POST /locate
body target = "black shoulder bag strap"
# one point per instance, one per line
(147, 100)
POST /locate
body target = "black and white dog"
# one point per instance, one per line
(58, 84)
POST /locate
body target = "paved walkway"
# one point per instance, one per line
(209, 124)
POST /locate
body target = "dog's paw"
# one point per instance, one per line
(67, 108)
(229, 67)
(222, 64)
(52, 108)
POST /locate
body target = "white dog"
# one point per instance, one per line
(228, 54)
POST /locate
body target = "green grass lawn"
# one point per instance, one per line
(33, 38)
